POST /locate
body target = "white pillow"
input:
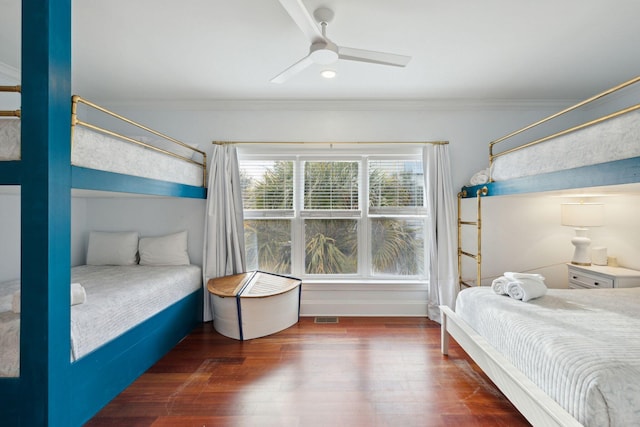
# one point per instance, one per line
(112, 248)
(164, 250)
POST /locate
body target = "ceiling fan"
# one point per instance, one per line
(323, 51)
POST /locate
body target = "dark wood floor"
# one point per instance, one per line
(359, 372)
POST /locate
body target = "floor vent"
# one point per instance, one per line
(326, 319)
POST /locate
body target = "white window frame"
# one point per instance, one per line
(362, 215)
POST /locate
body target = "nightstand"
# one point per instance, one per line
(602, 276)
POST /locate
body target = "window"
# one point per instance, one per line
(335, 215)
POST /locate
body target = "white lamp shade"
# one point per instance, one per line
(583, 214)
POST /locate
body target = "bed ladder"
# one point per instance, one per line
(478, 224)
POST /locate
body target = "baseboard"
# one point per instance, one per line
(364, 308)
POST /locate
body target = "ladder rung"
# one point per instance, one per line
(474, 256)
(468, 223)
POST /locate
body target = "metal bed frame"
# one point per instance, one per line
(607, 92)
(614, 172)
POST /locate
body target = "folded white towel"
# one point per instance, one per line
(481, 177)
(78, 296)
(526, 289)
(518, 276)
(499, 285)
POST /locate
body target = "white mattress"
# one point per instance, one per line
(118, 298)
(614, 139)
(95, 150)
(581, 347)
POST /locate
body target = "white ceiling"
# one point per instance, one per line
(204, 50)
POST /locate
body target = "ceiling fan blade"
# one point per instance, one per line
(303, 19)
(373, 57)
(293, 70)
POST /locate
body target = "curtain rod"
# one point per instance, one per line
(328, 142)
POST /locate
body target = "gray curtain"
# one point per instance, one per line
(443, 266)
(223, 252)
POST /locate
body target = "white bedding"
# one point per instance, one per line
(9, 331)
(9, 139)
(118, 298)
(614, 139)
(581, 347)
(95, 150)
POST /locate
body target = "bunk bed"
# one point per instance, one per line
(577, 157)
(106, 301)
(52, 389)
(105, 159)
(483, 321)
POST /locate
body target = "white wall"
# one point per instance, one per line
(10, 232)
(78, 227)
(9, 236)
(621, 232)
(150, 216)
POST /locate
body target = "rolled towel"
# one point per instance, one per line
(78, 294)
(15, 302)
(526, 289)
(481, 177)
(499, 285)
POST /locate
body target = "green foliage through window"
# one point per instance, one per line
(328, 222)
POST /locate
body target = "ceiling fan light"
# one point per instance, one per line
(328, 74)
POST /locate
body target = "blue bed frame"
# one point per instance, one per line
(52, 391)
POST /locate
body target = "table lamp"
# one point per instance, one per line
(580, 216)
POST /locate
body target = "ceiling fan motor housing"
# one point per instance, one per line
(324, 52)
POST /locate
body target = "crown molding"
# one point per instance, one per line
(340, 105)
